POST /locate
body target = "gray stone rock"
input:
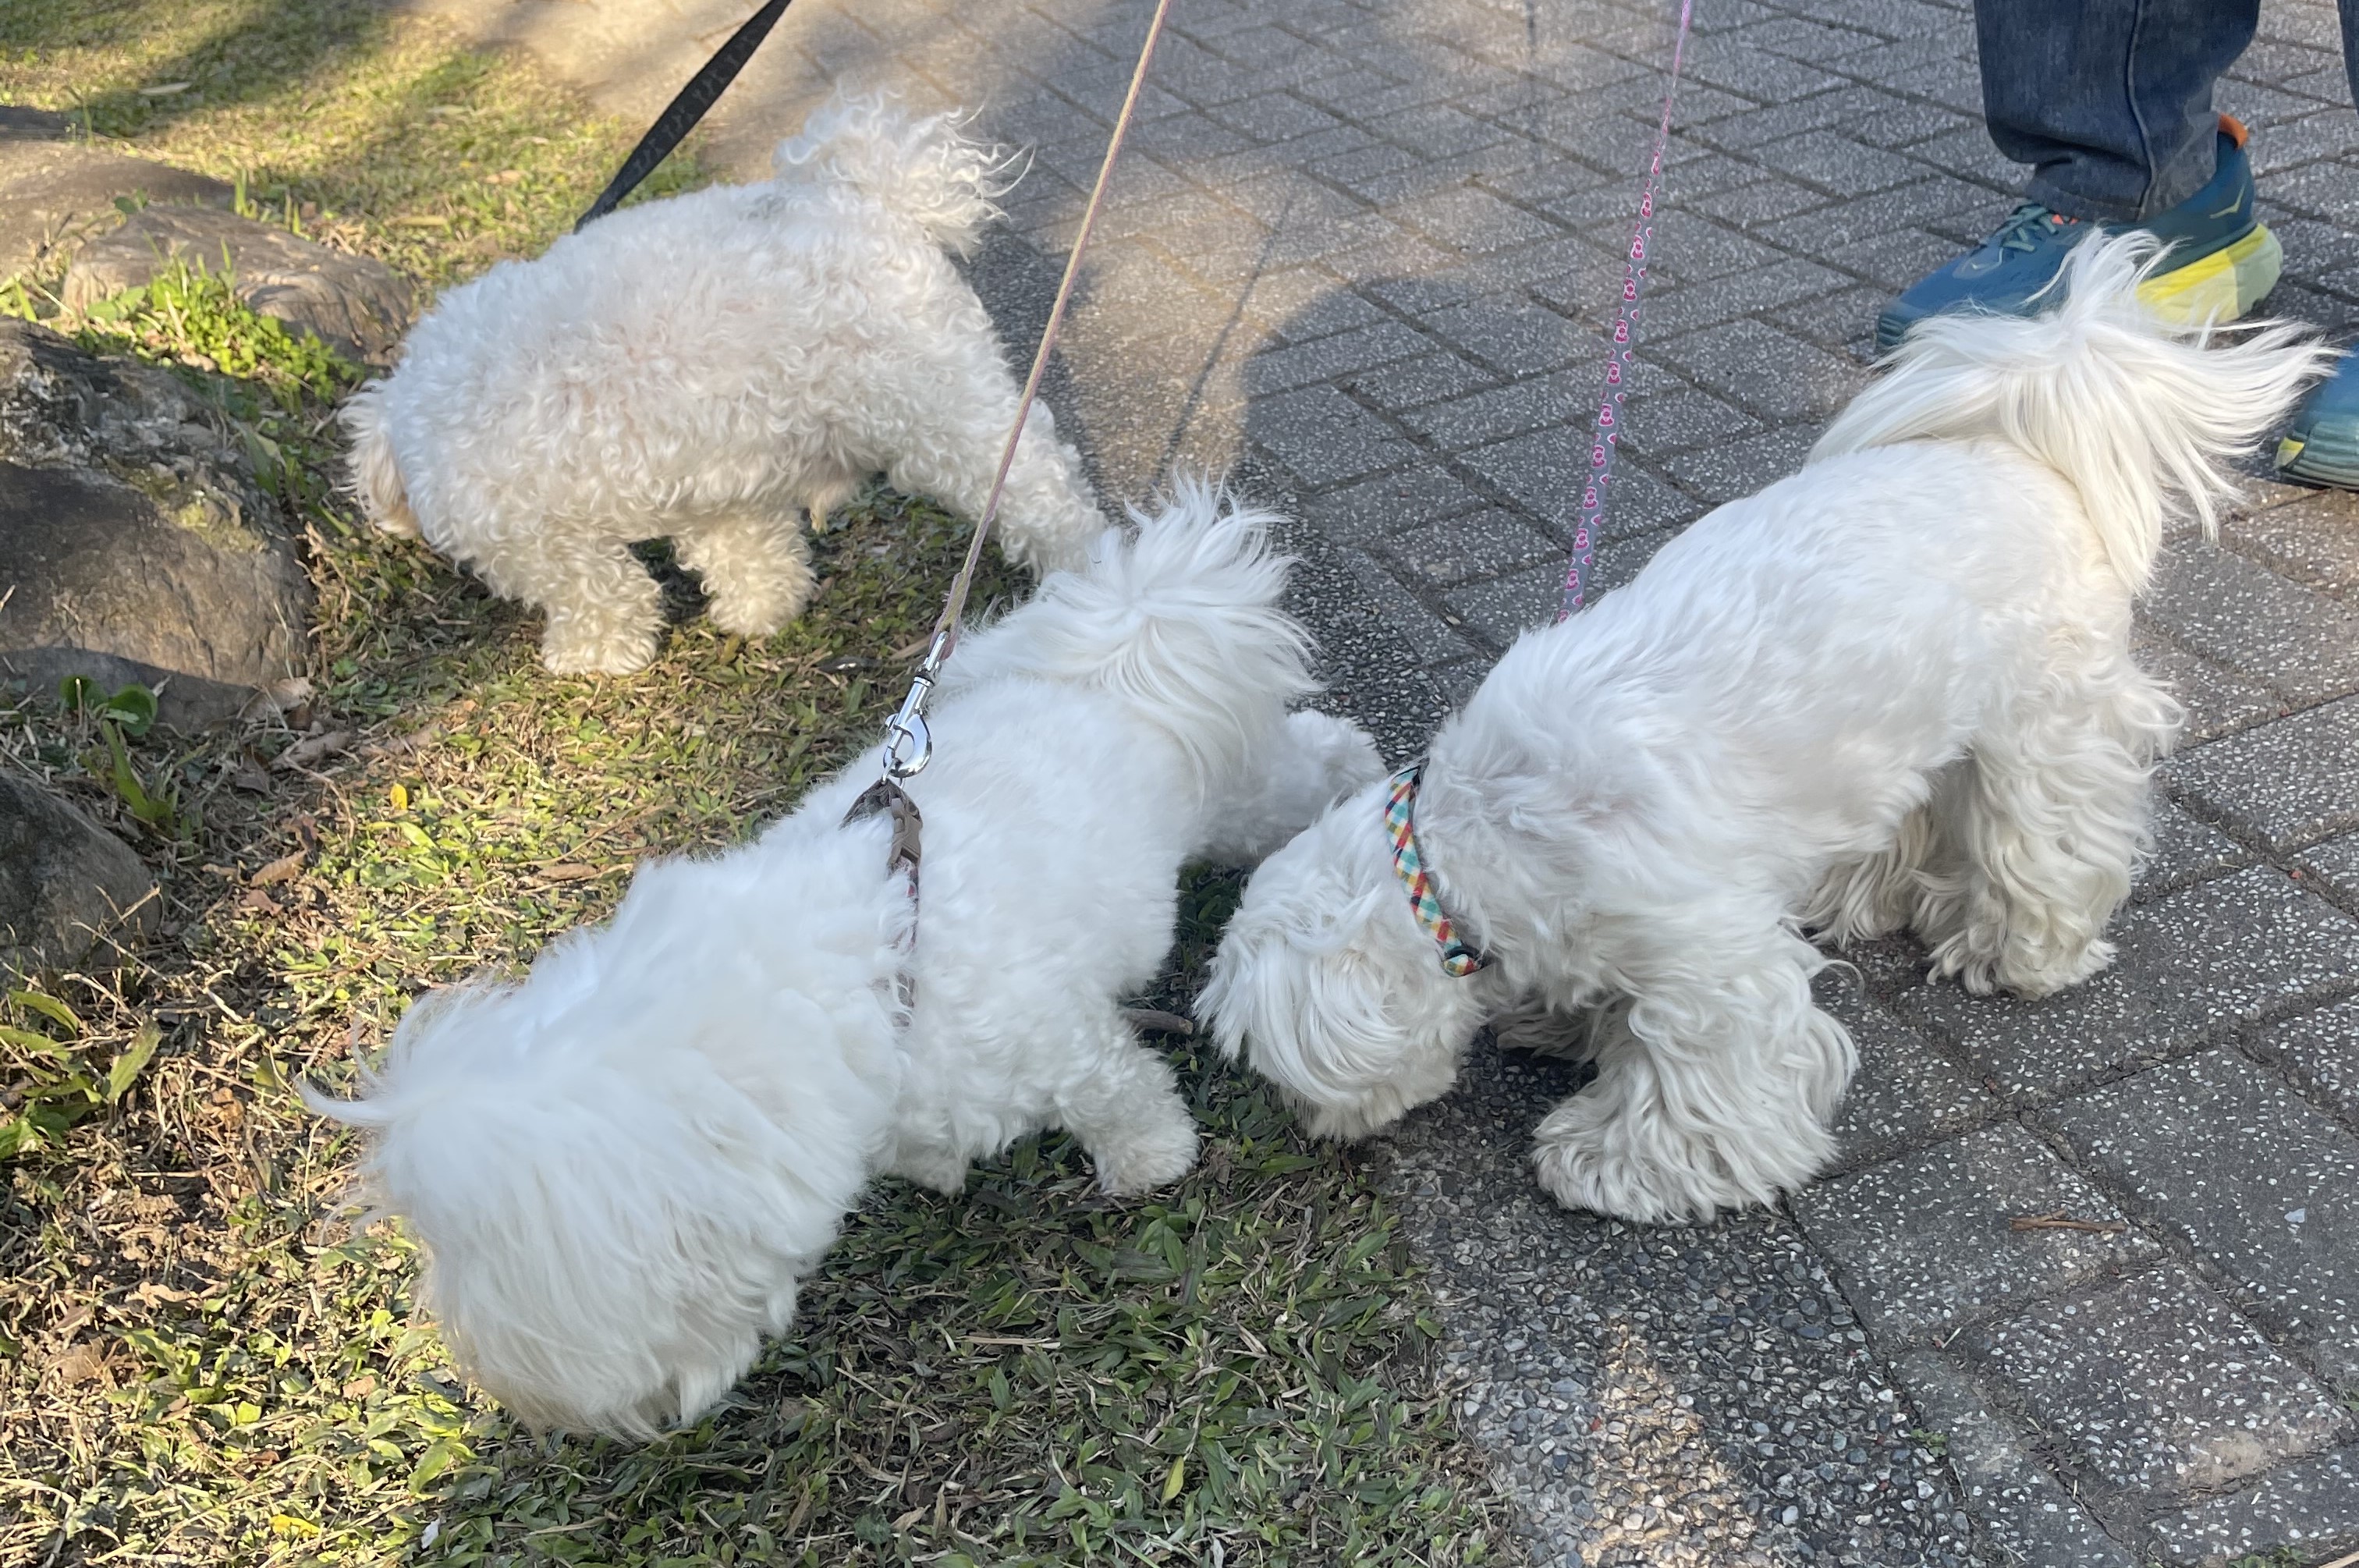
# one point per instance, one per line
(356, 304)
(57, 193)
(135, 543)
(65, 883)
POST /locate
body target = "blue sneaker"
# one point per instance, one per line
(2221, 259)
(2322, 447)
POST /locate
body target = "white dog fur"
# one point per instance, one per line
(712, 368)
(621, 1166)
(1894, 690)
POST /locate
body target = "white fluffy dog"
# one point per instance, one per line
(622, 1166)
(710, 369)
(1895, 688)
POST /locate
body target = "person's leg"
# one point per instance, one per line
(2109, 100)
(2322, 447)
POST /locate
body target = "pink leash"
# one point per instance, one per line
(1605, 435)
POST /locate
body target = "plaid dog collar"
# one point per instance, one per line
(1457, 958)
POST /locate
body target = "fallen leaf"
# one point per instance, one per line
(311, 749)
(569, 871)
(286, 868)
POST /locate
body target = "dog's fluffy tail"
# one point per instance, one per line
(921, 166)
(2141, 415)
(374, 478)
(1180, 618)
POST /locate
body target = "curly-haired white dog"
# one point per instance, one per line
(710, 369)
(1895, 688)
(622, 1166)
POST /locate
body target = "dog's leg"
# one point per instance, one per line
(757, 568)
(1536, 1026)
(1124, 1106)
(2053, 823)
(604, 613)
(1713, 1087)
(1876, 894)
(1048, 518)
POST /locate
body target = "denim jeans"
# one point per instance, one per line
(2109, 100)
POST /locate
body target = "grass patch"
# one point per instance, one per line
(199, 1363)
(367, 129)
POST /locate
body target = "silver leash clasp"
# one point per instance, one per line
(908, 745)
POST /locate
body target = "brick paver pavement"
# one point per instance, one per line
(1358, 255)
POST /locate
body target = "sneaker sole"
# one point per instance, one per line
(2222, 287)
(2316, 462)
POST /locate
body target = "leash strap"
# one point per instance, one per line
(907, 746)
(681, 115)
(887, 798)
(1605, 435)
(1400, 807)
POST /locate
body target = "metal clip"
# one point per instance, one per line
(908, 746)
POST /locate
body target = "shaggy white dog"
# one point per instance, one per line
(1893, 690)
(710, 369)
(622, 1166)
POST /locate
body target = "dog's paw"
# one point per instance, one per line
(1144, 1162)
(757, 615)
(1584, 1171)
(616, 654)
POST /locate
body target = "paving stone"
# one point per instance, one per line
(1472, 221)
(2320, 1052)
(2329, 190)
(1362, 513)
(2219, 702)
(1324, 438)
(1762, 370)
(1903, 1091)
(2192, 965)
(1732, 470)
(2250, 619)
(2153, 1389)
(2186, 850)
(1837, 164)
(2311, 1508)
(1504, 608)
(1561, 402)
(1511, 335)
(1337, 355)
(2261, 1184)
(2294, 781)
(2314, 540)
(1676, 422)
(1428, 636)
(2335, 864)
(1924, 1242)
(1537, 472)
(1782, 282)
(2022, 1517)
(1414, 383)
(1470, 549)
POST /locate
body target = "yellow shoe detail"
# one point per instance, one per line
(2287, 449)
(2219, 287)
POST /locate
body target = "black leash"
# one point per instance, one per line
(681, 115)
